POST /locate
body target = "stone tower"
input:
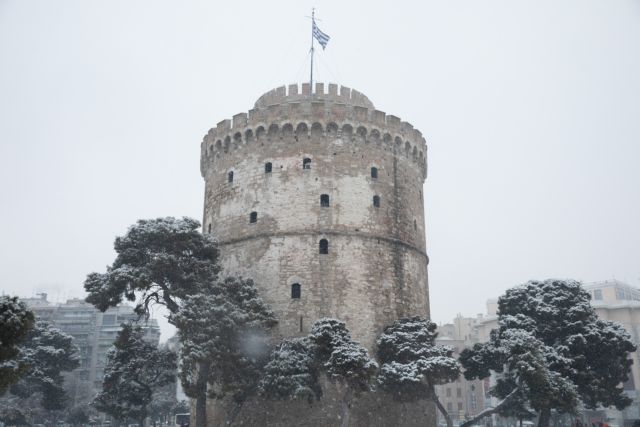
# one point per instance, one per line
(317, 196)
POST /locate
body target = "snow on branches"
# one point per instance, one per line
(552, 350)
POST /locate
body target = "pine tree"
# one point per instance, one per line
(15, 322)
(159, 261)
(48, 352)
(135, 369)
(224, 338)
(295, 366)
(412, 364)
(552, 351)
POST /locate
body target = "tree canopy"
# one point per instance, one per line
(15, 323)
(551, 348)
(135, 369)
(412, 363)
(224, 337)
(159, 261)
(295, 366)
(48, 352)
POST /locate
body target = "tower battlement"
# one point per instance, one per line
(341, 112)
(303, 93)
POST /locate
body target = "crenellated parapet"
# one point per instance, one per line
(294, 113)
(295, 93)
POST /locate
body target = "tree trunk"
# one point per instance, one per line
(347, 397)
(201, 399)
(443, 411)
(490, 411)
(233, 414)
(544, 418)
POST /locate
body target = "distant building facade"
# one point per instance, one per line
(94, 333)
(462, 399)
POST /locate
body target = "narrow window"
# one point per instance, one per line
(230, 176)
(267, 167)
(253, 217)
(324, 200)
(300, 323)
(415, 225)
(374, 172)
(306, 163)
(376, 201)
(295, 292)
(209, 228)
(324, 247)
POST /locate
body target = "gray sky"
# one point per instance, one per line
(531, 111)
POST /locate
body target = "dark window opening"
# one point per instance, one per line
(324, 200)
(324, 247)
(374, 172)
(230, 176)
(267, 167)
(295, 293)
(209, 228)
(300, 323)
(253, 217)
(306, 163)
(376, 201)
(415, 225)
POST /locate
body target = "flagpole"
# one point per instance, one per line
(313, 11)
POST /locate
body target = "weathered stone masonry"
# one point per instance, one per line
(376, 266)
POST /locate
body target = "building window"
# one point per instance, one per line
(230, 176)
(376, 201)
(324, 247)
(295, 291)
(253, 217)
(459, 392)
(449, 407)
(268, 167)
(209, 228)
(597, 294)
(415, 225)
(306, 163)
(448, 392)
(324, 200)
(374, 172)
(459, 406)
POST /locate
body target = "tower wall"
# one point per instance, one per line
(376, 267)
(375, 270)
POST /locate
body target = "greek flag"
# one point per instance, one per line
(322, 38)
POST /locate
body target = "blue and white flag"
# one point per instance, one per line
(322, 38)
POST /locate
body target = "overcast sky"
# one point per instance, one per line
(531, 111)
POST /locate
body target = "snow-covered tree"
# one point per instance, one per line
(345, 362)
(224, 343)
(77, 416)
(412, 364)
(551, 348)
(15, 322)
(295, 366)
(159, 261)
(13, 416)
(292, 372)
(135, 368)
(48, 352)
